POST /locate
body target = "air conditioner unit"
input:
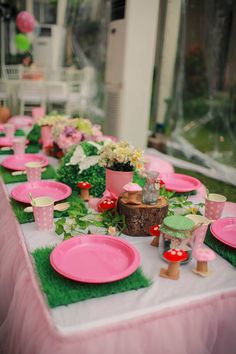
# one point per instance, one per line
(129, 68)
(48, 46)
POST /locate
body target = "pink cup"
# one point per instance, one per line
(19, 146)
(33, 171)
(43, 212)
(9, 130)
(214, 205)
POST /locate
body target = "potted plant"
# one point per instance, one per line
(120, 160)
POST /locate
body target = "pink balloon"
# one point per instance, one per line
(25, 21)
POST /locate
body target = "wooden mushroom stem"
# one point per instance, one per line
(173, 269)
(84, 193)
(132, 197)
(155, 241)
(202, 266)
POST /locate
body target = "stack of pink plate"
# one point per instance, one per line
(225, 231)
(180, 183)
(95, 258)
(21, 122)
(56, 190)
(5, 141)
(17, 162)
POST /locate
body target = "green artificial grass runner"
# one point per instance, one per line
(18, 132)
(24, 217)
(225, 251)
(62, 291)
(31, 149)
(6, 174)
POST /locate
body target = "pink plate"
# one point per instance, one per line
(17, 162)
(180, 183)
(56, 190)
(95, 258)
(6, 141)
(21, 121)
(225, 230)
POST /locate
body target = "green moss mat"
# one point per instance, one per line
(225, 251)
(24, 217)
(212, 185)
(31, 149)
(50, 173)
(62, 291)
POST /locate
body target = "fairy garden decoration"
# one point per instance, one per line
(80, 163)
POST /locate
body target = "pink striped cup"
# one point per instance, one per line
(19, 146)
(33, 171)
(214, 205)
(43, 212)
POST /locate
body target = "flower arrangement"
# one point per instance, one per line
(121, 156)
(72, 131)
(51, 120)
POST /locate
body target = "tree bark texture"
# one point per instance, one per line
(139, 218)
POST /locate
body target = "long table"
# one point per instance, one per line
(192, 315)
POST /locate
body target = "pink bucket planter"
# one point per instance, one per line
(115, 181)
(46, 135)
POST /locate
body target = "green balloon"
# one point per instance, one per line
(22, 42)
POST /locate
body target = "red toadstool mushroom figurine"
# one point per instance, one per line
(84, 190)
(174, 257)
(162, 183)
(106, 204)
(155, 231)
(132, 189)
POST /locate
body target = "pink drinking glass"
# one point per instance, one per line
(214, 205)
(33, 171)
(43, 212)
(18, 146)
(9, 130)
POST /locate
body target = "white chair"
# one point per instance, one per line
(12, 72)
(4, 93)
(57, 93)
(31, 93)
(73, 103)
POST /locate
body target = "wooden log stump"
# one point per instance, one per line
(139, 218)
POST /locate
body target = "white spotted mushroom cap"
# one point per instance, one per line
(204, 254)
(132, 187)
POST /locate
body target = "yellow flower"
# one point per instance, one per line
(111, 230)
(193, 210)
